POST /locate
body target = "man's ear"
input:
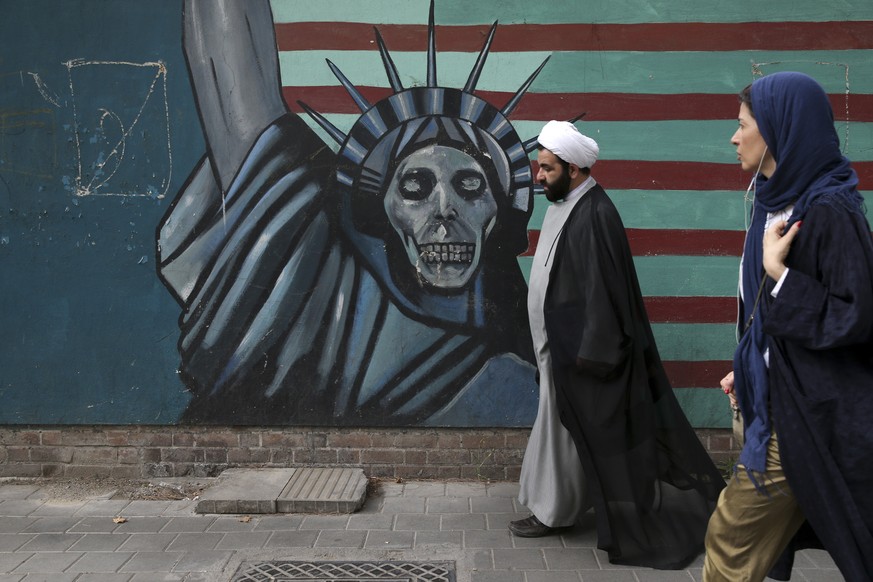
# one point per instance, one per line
(574, 171)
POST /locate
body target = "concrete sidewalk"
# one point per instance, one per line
(460, 522)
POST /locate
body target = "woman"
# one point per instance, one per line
(804, 364)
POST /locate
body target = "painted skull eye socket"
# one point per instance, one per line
(416, 184)
(469, 184)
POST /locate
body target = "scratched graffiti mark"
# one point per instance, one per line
(121, 128)
(43, 89)
(842, 68)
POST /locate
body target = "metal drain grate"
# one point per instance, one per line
(294, 571)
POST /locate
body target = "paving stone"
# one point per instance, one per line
(52, 577)
(99, 542)
(245, 491)
(417, 522)
(562, 576)
(474, 522)
(152, 562)
(193, 542)
(323, 490)
(449, 540)
(51, 542)
(515, 559)
(340, 539)
(51, 525)
(243, 540)
(14, 524)
(208, 561)
(10, 542)
(103, 578)
(403, 505)
(64, 508)
(491, 505)
(45, 562)
(147, 542)
(146, 508)
(370, 522)
(292, 539)
(233, 524)
(325, 522)
(19, 507)
(496, 576)
(162, 577)
(104, 507)
(279, 522)
(488, 539)
(608, 576)
(551, 541)
(103, 524)
(11, 491)
(147, 524)
(390, 540)
(570, 559)
(448, 505)
(10, 561)
(188, 524)
(424, 489)
(101, 562)
(503, 490)
(462, 489)
(822, 575)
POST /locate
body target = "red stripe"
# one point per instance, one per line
(691, 309)
(645, 175)
(654, 242)
(697, 374)
(684, 36)
(599, 106)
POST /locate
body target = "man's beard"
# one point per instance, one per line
(559, 189)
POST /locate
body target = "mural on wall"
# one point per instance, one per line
(305, 254)
(375, 286)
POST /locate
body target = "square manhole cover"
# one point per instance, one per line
(299, 571)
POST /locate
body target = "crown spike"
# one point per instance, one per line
(530, 144)
(480, 61)
(388, 62)
(359, 99)
(338, 136)
(431, 49)
(513, 103)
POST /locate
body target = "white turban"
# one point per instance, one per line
(564, 140)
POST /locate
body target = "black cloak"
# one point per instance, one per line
(652, 483)
(820, 335)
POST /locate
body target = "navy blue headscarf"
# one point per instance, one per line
(796, 121)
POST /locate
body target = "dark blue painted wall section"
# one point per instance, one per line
(97, 131)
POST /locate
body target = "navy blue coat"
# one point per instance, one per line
(820, 335)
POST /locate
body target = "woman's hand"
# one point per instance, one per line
(776, 247)
(727, 386)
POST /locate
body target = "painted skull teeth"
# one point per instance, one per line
(433, 253)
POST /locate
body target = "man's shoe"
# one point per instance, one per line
(530, 527)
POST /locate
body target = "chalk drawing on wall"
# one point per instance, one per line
(121, 128)
(374, 286)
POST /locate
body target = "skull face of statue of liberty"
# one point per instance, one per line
(442, 207)
(434, 186)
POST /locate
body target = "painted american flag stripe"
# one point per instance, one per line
(667, 36)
